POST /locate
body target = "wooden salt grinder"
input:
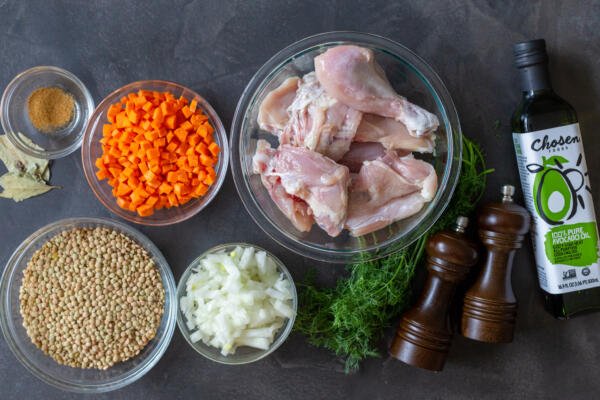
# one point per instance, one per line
(490, 307)
(424, 335)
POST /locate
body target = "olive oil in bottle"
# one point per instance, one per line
(556, 188)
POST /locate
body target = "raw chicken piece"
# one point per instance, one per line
(417, 172)
(392, 134)
(365, 151)
(320, 122)
(362, 221)
(311, 177)
(359, 153)
(295, 209)
(351, 75)
(387, 190)
(273, 114)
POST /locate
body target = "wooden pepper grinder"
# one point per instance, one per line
(490, 307)
(424, 335)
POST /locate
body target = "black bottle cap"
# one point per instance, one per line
(530, 52)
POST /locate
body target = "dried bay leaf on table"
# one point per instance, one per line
(27, 175)
(18, 162)
(22, 186)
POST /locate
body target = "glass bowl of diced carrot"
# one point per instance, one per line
(155, 152)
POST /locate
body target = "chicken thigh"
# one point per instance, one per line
(388, 189)
(308, 176)
(351, 75)
(294, 208)
(319, 122)
(392, 134)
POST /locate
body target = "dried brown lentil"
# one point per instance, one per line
(91, 297)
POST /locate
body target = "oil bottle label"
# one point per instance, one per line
(557, 193)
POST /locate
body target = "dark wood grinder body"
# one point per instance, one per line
(490, 307)
(424, 334)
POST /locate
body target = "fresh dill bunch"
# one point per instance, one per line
(349, 319)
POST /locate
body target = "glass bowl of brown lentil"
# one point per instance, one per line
(49, 106)
(106, 310)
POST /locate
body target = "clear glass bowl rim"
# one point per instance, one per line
(419, 67)
(7, 126)
(89, 167)
(170, 313)
(281, 337)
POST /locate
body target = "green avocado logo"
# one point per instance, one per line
(555, 189)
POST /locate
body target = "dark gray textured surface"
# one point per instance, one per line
(214, 47)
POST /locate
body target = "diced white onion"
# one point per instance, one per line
(236, 299)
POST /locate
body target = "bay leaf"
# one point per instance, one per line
(22, 186)
(18, 162)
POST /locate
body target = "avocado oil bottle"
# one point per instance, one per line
(556, 189)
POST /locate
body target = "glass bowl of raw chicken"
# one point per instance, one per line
(345, 143)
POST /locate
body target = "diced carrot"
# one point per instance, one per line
(157, 115)
(157, 151)
(102, 174)
(193, 160)
(173, 202)
(133, 181)
(152, 200)
(114, 171)
(200, 190)
(206, 161)
(171, 147)
(185, 110)
(160, 142)
(209, 180)
(123, 203)
(170, 121)
(148, 106)
(153, 154)
(180, 189)
(165, 188)
(145, 210)
(181, 134)
(123, 189)
(133, 116)
(187, 126)
(214, 148)
(151, 136)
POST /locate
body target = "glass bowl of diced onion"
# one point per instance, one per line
(256, 346)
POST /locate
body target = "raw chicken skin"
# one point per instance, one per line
(295, 209)
(365, 151)
(273, 114)
(351, 75)
(320, 122)
(311, 177)
(388, 189)
(417, 172)
(392, 134)
(362, 221)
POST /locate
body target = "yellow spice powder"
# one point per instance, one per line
(50, 108)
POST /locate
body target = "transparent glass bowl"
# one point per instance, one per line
(411, 77)
(44, 367)
(15, 116)
(243, 355)
(92, 149)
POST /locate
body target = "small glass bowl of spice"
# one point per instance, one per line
(50, 107)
